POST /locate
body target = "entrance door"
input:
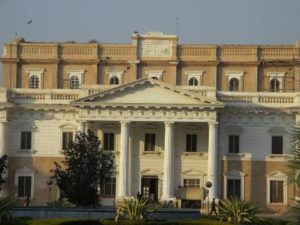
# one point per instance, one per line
(150, 187)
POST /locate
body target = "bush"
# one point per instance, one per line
(6, 205)
(135, 211)
(61, 203)
(237, 212)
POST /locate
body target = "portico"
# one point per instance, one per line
(168, 113)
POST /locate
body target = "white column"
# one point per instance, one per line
(2, 139)
(124, 158)
(168, 182)
(213, 160)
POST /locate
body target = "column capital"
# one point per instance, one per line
(125, 121)
(169, 123)
(213, 123)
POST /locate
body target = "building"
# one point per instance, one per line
(174, 116)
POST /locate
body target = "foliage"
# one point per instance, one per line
(60, 203)
(3, 169)
(135, 211)
(6, 205)
(84, 169)
(236, 211)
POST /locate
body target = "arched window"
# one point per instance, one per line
(193, 82)
(274, 85)
(234, 84)
(114, 80)
(34, 82)
(74, 82)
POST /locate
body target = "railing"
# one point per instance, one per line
(46, 96)
(118, 52)
(79, 51)
(38, 51)
(239, 54)
(196, 52)
(259, 98)
(277, 53)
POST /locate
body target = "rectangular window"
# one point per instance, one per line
(149, 142)
(109, 187)
(277, 144)
(24, 186)
(234, 144)
(67, 139)
(26, 140)
(191, 183)
(276, 191)
(109, 141)
(191, 142)
(233, 188)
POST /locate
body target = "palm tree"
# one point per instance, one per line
(294, 166)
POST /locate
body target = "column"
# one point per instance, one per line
(168, 182)
(2, 138)
(124, 158)
(212, 175)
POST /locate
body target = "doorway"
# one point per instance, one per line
(150, 187)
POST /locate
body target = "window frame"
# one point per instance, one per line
(234, 175)
(77, 85)
(68, 141)
(26, 139)
(277, 176)
(273, 147)
(150, 145)
(234, 145)
(189, 147)
(39, 73)
(114, 80)
(25, 172)
(193, 185)
(113, 134)
(113, 181)
(36, 83)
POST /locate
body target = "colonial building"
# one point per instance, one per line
(173, 115)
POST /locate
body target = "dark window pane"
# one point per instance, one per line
(24, 186)
(276, 191)
(26, 140)
(191, 142)
(27, 187)
(109, 187)
(233, 188)
(234, 144)
(21, 185)
(109, 141)
(67, 139)
(277, 144)
(149, 144)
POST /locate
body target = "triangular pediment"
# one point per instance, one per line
(147, 92)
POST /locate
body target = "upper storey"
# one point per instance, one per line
(238, 68)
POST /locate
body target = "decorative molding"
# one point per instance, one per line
(155, 73)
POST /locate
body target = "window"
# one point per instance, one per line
(274, 85)
(109, 141)
(24, 186)
(34, 82)
(191, 142)
(149, 142)
(234, 144)
(109, 187)
(74, 82)
(114, 80)
(276, 191)
(277, 144)
(193, 82)
(234, 84)
(67, 138)
(26, 140)
(191, 183)
(233, 188)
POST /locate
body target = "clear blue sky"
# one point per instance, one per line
(200, 21)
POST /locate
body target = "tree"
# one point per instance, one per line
(294, 166)
(83, 170)
(3, 169)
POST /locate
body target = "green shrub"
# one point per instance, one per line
(6, 205)
(236, 211)
(61, 203)
(135, 211)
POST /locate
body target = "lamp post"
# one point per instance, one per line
(208, 185)
(49, 182)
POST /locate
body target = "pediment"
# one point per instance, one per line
(151, 172)
(193, 172)
(146, 92)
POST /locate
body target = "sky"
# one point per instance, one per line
(113, 21)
